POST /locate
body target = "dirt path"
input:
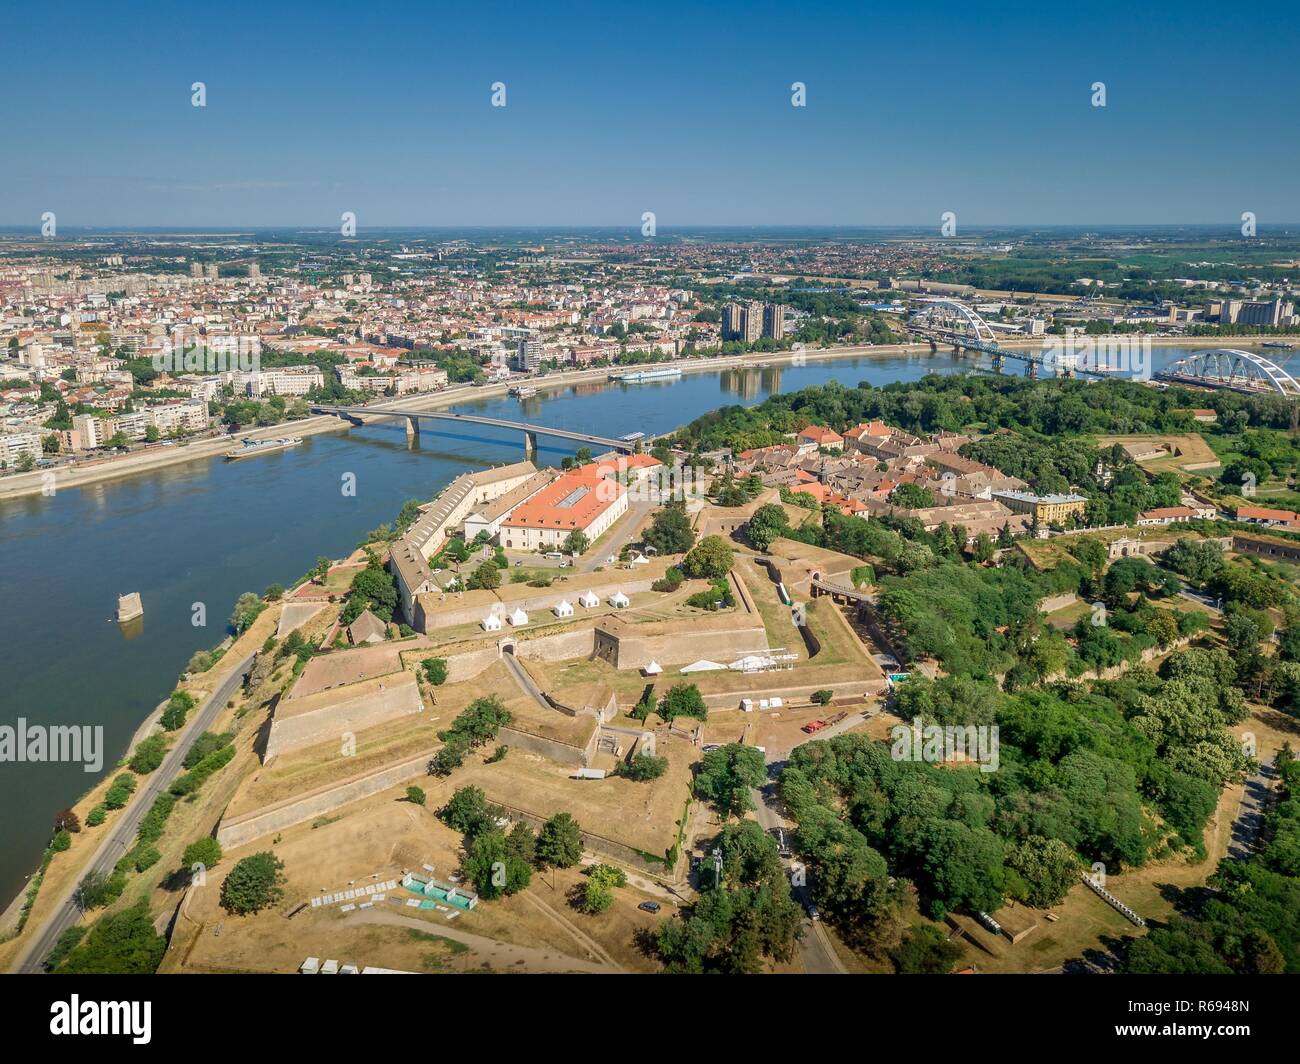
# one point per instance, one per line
(578, 935)
(500, 956)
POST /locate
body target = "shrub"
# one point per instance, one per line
(146, 857)
(205, 851)
(120, 792)
(148, 755)
(197, 776)
(178, 707)
(415, 796)
(96, 816)
(61, 841)
(435, 671)
(204, 745)
(643, 767)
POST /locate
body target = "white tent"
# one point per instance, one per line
(638, 559)
(751, 662)
(563, 608)
(518, 617)
(492, 622)
(704, 665)
(588, 599)
(653, 669)
(619, 600)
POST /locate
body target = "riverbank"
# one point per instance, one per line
(94, 472)
(34, 483)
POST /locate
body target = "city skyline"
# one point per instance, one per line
(907, 116)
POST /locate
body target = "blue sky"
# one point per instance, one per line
(613, 109)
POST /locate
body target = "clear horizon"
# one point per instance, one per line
(613, 111)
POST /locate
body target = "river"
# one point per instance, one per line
(205, 531)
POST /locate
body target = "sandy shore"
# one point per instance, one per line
(94, 472)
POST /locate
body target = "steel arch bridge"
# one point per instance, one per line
(977, 326)
(1228, 367)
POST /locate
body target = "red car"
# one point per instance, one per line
(814, 726)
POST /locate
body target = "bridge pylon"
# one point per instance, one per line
(530, 445)
(412, 430)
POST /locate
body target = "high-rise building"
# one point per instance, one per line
(731, 315)
(752, 322)
(774, 321)
(254, 270)
(196, 269)
(210, 271)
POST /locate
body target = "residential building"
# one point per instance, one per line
(1044, 509)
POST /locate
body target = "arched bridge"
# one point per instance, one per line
(1227, 367)
(953, 322)
(531, 432)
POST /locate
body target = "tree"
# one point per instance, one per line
(1047, 868)
(255, 883)
(415, 795)
(205, 851)
(486, 577)
(728, 774)
(67, 820)
(670, 531)
(768, 523)
(469, 812)
(559, 843)
(1162, 626)
(149, 753)
(912, 497)
(435, 671)
(595, 894)
(683, 700)
(576, 543)
(25, 463)
(983, 548)
(493, 869)
(823, 697)
(643, 767)
(173, 717)
(373, 589)
(247, 607)
(321, 571)
(710, 559)
(151, 434)
(926, 951)
(123, 943)
(274, 593)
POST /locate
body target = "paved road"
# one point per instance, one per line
(815, 950)
(1255, 800)
(629, 523)
(524, 680)
(122, 833)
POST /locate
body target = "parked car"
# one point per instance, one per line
(649, 906)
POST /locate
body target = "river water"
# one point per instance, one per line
(205, 531)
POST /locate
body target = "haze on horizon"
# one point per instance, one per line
(613, 111)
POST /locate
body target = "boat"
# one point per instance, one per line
(251, 447)
(1278, 344)
(637, 376)
(523, 391)
(129, 607)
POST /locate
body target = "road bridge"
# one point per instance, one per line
(357, 414)
(970, 332)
